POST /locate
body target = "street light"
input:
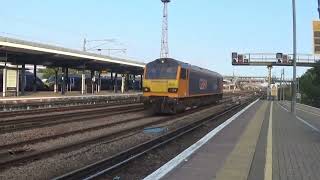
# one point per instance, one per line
(293, 102)
(319, 8)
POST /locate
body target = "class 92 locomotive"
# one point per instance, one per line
(171, 86)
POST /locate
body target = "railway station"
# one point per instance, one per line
(203, 110)
(16, 54)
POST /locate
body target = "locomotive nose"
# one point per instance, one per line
(159, 86)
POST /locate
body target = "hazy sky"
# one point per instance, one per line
(202, 32)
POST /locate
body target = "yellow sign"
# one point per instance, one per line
(274, 90)
(316, 37)
(11, 78)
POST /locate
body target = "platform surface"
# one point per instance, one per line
(265, 142)
(46, 95)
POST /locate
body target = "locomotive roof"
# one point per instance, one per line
(187, 65)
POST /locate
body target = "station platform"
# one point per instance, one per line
(263, 141)
(49, 99)
(46, 95)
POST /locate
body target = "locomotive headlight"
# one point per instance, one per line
(146, 89)
(173, 90)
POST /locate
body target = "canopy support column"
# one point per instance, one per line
(83, 82)
(17, 82)
(63, 86)
(92, 81)
(123, 81)
(4, 81)
(115, 88)
(67, 79)
(23, 79)
(34, 78)
(99, 81)
(55, 87)
(134, 82)
(112, 81)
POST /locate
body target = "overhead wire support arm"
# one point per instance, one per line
(105, 41)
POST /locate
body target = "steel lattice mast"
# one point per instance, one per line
(164, 39)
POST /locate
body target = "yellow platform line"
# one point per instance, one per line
(268, 164)
(238, 163)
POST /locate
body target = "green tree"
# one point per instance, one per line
(310, 87)
(47, 72)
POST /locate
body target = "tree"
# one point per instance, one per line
(310, 86)
(47, 72)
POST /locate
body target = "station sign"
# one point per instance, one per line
(316, 37)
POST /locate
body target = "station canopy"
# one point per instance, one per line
(25, 52)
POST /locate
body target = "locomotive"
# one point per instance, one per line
(170, 86)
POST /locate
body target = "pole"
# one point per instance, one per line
(293, 103)
(319, 8)
(67, 79)
(63, 86)
(283, 89)
(269, 82)
(92, 81)
(281, 86)
(17, 82)
(23, 79)
(84, 44)
(164, 39)
(55, 88)
(34, 78)
(4, 81)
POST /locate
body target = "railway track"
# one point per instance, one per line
(29, 122)
(18, 145)
(105, 138)
(104, 166)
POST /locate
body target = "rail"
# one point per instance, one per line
(106, 165)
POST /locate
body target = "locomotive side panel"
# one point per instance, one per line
(201, 83)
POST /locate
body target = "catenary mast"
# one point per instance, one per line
(164, 39)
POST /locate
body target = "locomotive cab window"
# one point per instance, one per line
(159, 70)
(183, 73)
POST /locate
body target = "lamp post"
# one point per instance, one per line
(293, 102)
(319, 8)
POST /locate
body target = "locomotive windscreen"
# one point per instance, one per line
(161, 69)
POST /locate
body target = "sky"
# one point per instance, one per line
(202, 32)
